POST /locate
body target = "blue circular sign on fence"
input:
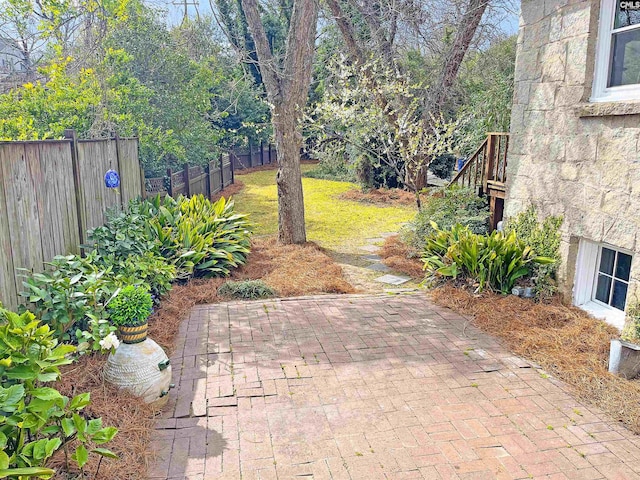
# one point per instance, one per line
(112, 179)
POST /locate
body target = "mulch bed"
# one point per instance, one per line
(400, 257)
(290, 269)
(382, 196)
(271, 166)
(566, 341)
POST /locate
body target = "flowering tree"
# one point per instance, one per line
(396, 133)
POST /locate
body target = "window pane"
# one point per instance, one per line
(625, 59)
(623, 268)
(619, 295)
(603, 288)
(607, 259)
(626, 16)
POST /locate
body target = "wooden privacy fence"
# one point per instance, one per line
(207, 180)
(51, 192)
(265, 155)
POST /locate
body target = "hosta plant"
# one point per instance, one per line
(37, 420)
(495, 261)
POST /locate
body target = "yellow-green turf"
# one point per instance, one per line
(331, 221)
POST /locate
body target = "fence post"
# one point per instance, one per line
(222, 170)
(170, 175)
(232, 168)
(270, 159)
(261, 152)
(208, 172)
(143, 184)
(82, 222)
(187, 180)
(250, 152)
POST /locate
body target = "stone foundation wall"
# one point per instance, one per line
(566, 156)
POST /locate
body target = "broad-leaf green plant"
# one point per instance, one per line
(37, 420)
(495, 261)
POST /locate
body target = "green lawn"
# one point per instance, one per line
(331, 222)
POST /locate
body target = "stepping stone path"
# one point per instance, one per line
(378, 267)
(393, 279)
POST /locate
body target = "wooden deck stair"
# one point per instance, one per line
(486, 173)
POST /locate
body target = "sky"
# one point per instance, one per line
(176, 8)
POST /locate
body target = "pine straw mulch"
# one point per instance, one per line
(291, 270)
(229, 191)
(401, 257)
(565, 341)
(382, 196)
(270, 166)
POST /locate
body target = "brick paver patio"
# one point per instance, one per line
(368, 387)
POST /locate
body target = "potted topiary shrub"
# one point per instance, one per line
(624, 355)
(138, 365)
(129, 312)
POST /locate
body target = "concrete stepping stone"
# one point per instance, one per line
(378, 267)
(372, 258)
(370, 248)
(392, 279)
(375, 240)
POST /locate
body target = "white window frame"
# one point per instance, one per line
(600, 91)
(587, 266)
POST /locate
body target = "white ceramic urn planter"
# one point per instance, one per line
(142, 369)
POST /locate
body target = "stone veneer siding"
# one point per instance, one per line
(566, 156)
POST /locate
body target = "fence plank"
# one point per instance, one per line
(22, 208)
(130, 180)
(8, 293)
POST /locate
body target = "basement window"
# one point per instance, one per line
(602, 281)
(617, 68)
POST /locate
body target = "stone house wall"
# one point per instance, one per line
(567, 156)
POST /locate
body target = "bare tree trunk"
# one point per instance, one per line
(291, 224)
(464, 36)
(287, 88)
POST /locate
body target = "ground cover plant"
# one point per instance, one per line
(246, 289)
(330, 222)
(566, 341)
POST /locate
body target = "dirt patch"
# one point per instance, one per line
(271, 166)
(290, 269)
(564, 340)
(382, 196)
(401, 257)
(231, 190)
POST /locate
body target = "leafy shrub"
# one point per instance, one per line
(197, 236)
(631, 330)
(35, 420)
(495, 261)
(149, 268)
(336, 171)
(442, 166)
(131, 307)
(544, 238)
(247, 289)
(201, 238)
(70, 293)
(447, 207)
